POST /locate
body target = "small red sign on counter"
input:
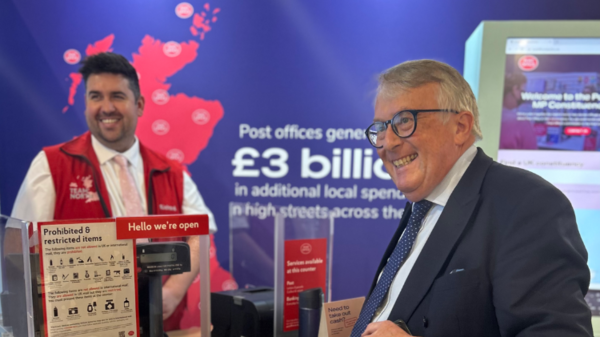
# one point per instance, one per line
(305, 268)
(161, 226)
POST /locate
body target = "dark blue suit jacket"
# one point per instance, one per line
(520, 264)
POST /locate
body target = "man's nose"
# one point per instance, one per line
(391, 139)
(107, 106)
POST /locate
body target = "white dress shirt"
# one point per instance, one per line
(36, 198)
(439, 197)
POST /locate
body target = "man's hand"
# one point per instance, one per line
(384, 329)
(171, 300)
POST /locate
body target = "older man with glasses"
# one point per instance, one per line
(482, 249)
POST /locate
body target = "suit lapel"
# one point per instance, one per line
(393, 243)
(458, 211)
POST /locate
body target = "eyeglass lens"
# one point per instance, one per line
(403, 124)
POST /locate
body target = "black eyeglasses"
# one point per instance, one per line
(404, 124)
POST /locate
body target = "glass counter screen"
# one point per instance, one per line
(158, 257)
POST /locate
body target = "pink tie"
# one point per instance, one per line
(129, 192)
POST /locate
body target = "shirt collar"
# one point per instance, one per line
(105, 154)
(441, 193)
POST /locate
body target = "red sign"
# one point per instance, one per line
(305, 268)
(161, 226)
(528, 63)
(578, 131)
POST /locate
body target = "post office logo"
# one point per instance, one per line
(306, 248)
(72, 56)
(184, 10)
(160, 96)
(528, 63)
(81, 189)
(200, 116)
(161, 127)
(229, 285)
(176, 155)
(172, 49)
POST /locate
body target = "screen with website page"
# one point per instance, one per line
(551, 124)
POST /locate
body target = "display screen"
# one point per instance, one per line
(158, 257)
(551, 123)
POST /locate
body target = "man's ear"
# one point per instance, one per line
(464, 127)
(141, 103)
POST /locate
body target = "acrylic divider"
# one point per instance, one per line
(20, 314)
(258, 238)
(205, 320)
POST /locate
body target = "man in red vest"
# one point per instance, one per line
(107, 172)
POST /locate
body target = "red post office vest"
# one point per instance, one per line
(81, 192)
(80, 189)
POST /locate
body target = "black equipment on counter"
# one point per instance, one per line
(155, 260)
(310, 304)
(242, 312)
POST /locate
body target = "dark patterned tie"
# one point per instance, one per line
(398, 256)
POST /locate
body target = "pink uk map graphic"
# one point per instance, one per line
(174, 124)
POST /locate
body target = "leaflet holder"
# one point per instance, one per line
(259, 237)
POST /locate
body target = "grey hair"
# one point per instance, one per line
(455, 93)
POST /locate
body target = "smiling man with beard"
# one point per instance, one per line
(107, 172)
(482, 249)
